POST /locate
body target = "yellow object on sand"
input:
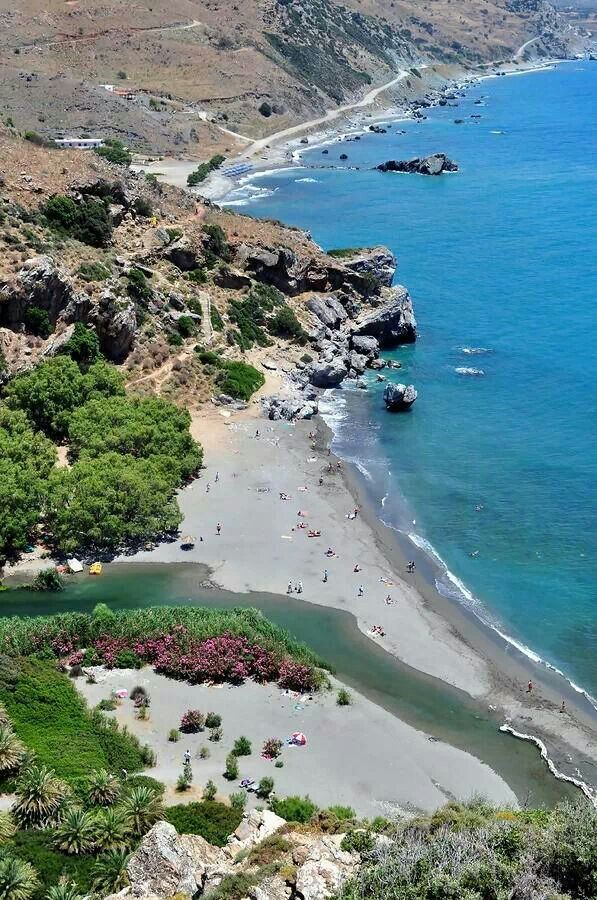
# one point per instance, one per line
(95, 568)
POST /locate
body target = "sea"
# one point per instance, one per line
(494, 470)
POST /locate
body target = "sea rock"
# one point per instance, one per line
(377, 364)
(393, 322)
(289, 406)
(428, 165)
(399, 397)
(357, 362)
(256, 826)
(327, 309)
(328, 374)
(325, 869)
(379, 262)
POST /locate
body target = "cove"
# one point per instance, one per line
(424, 702)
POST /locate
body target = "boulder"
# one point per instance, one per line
(357, 362)
(393, 322)
(328, 310)
(328, 374)
(115, 321)
(399, 397)
(378, 262)
(255, 826)
(427, 165)
(365, 344)
(273, 888)
(377, 364)
(325, 869)
(166, 863)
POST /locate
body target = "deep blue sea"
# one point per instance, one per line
(500, 256)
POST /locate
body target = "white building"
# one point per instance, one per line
(79, 143)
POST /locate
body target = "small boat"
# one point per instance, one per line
(95, 568)
(188, 542)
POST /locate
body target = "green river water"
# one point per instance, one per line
(426, 703)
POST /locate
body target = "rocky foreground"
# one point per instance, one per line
(308, 865)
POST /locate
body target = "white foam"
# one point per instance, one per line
(475, 351)
(468, 370)
(306, 181)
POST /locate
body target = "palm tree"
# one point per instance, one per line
(40, 795)
(75, 833)
(103, 789)
(12, 749)
(7, 827)
(110, 831)
(143, 808)
(18, 879)
(110, 872)
(65, 890)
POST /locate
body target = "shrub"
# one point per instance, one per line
(265, 109)
(103, 788)
(61, 212)
(269, 850)
(231, 770)
(143, 207)
(94, 226)
(265, 787)
(279, 764)
(284, 323)
(111, 830)
(241, 380)
(217, 243)
(204, 753)
(37, 321)
(192, 721)
(343, 697)
(213, 720)
(238, 800)
(357, 841)
(215, 734)
(294, 809)
(83, 346)
(93, 271)
(242, 746)
(48, 580)
(217, 322)
(296, 677)
(137, 285)
(345, 252)
(213, 821)
(174, 735)
(271, 748)
(197, 276)
(186, 326)
(126, 659)
(115, 151)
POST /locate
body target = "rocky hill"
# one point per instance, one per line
(177, 291)
(191, 75)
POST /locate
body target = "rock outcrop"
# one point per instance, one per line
(393, 322)
(325, 869)
(256, 826)
(399, 397)
(427, 165)
(378, 262)
(328, 374)
(115, 321)
(327, 309)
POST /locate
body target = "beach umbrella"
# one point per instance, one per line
(188, 541)
(299, 738)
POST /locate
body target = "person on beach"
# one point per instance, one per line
(257, 433)
(320, 481)
(218, 529)
(325, 575)
(563, 707)
(299, 587)
(357, 568)
(389, 600)
(530, 687)
(217, 477)
(361, 591)
(207, 488)
(187, 757)
(289, 588)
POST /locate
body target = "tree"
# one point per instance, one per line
(111, 830)
(231, 770)
(40, 796)
(7, 828)
(138, 427)
(61, 212)
(48, 580)
(50, 392)
(114, 150)
(83, 345)
(242, 746)
(37, 321)
(18, 879)
(143, 808)
(110, 872)
(94, 226)
(75, 833)
(110, 501)
(210, 790)
(103, 788)
(26, 459)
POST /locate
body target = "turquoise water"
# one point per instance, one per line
(499, 256)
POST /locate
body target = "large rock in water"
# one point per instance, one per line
(399, 397)
(328, 374)
(427, 165)
(393, 322)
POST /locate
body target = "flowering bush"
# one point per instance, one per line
(272, 748)
(296, 676)
(192, 721)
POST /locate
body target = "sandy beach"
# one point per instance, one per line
(261, 547)
(357, 755)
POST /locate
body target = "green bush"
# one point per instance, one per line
(357, 841)
(240, 380)
(231, 770)
(37, 321)
(238, 800)
(197, 276)
(186, 326)
(213, 821)
(94, 225)
(143, 207)
(138, 287)
(343, 697)
(265, 787)
(93, 271)
(48, 580)
(217, 322)
(284, 323)
(294, 809)
(217, 242)
(113, 150)
(83, 346)
(242, 746)
(345, 252)
(213, 720)
(61, 212)
(36, 848)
